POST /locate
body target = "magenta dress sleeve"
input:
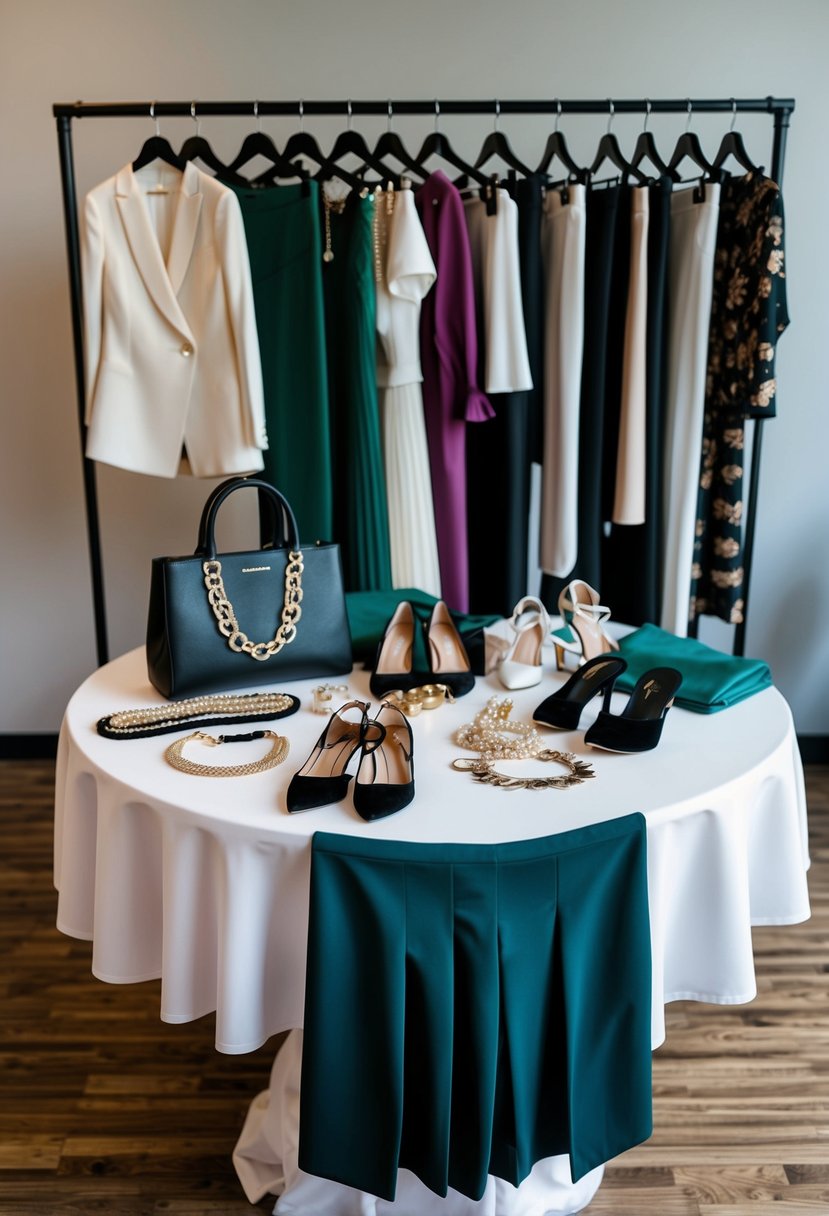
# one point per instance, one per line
(451, 395)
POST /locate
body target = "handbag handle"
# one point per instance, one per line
(281, 511)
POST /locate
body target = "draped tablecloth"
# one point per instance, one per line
(205, 883)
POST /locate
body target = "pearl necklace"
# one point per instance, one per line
(489, 734)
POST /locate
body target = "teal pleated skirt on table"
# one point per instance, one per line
(473, 1009)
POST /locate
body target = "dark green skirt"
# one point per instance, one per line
(473, 1009)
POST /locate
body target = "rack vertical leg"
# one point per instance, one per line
(73, 255)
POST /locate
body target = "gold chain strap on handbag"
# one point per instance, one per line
(226, 617)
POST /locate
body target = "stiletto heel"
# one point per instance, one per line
(322, 778)
(447, 655)
(393, 665)
(385, 777)
(584, 618)
(521, 665)
(562, 709)
(639, 726)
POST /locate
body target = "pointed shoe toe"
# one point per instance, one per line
(307, 793)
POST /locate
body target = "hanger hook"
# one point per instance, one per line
(195, 117)
(497, 114)
(153, 104)
(256, 116)
(690, 115)
(390, 115)
(648, 108)
(733, 113)
(558, 113)
(437, 115)
(350, 116)
(611, 113)
(301, 115)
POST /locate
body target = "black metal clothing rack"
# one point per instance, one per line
(780, 109)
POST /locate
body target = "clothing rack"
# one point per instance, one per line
(780, 109)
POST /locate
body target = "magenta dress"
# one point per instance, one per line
(449, 357)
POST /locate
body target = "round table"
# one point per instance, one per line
(204, 882)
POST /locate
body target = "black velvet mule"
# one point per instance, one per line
(639, 726)
(562, 709)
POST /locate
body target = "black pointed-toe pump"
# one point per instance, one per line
(385, 778)
(322, 778)
(639, 726)
(447, 655)
(562, 709)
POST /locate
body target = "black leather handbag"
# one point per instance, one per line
(220, 622)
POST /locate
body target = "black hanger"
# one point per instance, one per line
(609, 149)
(436, 144)
(390, 144)
(688, 145)
(497, 144)
(556, 146)
(646, 146)
(259, 143)
(196, 147)
(351, 142)
(302, 143)
(732, 145)
(156, 148)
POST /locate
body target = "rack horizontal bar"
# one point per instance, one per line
(182, 109)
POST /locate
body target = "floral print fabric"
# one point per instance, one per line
(748, 314)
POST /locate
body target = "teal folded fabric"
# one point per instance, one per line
(369, 612)
(711, 680)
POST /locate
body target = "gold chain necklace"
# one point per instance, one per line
(279, 750)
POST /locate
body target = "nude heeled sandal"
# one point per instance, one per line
(584, 618)
(521, 665)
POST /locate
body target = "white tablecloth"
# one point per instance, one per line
(205, 882)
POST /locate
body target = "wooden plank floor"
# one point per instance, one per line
(105, 1109)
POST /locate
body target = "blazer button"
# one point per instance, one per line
(186, 350)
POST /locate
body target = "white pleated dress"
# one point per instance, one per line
(405, 273)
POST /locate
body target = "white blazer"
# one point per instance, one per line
(172, 355)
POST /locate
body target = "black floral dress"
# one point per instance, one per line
(748, 314)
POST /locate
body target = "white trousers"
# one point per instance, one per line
(629, 497)
(562, 246)
(412, 536)
(265, 1158)
(690, 287)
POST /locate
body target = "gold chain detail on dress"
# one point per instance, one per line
(485, 772)
(226, 617)
(279, 750)
(211, 705)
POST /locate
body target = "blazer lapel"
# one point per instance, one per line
(145, 248)
(185, 226)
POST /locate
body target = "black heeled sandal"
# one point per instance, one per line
(385, 777)
(562, 709)
(639, 726)
(322, 778)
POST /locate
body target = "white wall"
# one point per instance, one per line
(178, 49)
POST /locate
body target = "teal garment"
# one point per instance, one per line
(369, 613)
(361, 523)
(711, 680)
(285, 252)
(473, 1009)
